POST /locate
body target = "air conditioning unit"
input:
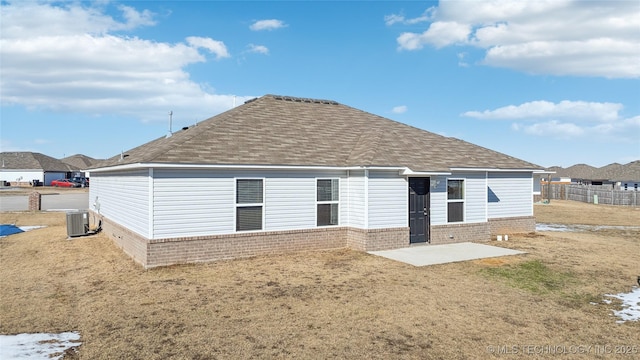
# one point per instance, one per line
(77, 223)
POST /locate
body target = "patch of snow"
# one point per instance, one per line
(573, 228)
(552, 227)
(630, 305)
(37, 346)
(27, 228)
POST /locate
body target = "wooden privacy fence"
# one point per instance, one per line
(598, 194)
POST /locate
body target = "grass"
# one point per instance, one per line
(532, 275)
(323, 304)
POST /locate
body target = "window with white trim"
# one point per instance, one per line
(249, 204)
(327, 198)
(455, 200)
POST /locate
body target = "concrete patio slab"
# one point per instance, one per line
(442, 254)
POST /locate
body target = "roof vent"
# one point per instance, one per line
(305, 100)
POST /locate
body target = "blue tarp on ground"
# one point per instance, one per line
(6, 229)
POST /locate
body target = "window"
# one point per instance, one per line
(327, 197)
(249, 204)
(455, 200)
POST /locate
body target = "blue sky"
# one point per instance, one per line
(551, 82)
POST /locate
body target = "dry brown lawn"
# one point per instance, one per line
(329, 304)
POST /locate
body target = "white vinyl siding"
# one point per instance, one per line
(194, 204)
(509, 195)
(352, 209)
(475, 197)
(438, 201)
(537, 185)
(202, 202)
(290, 200)
(388, 200)
(123, 197)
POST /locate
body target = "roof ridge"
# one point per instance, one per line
(301, 99)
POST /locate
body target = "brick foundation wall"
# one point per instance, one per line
(457, 233)
(514, 225)
(131, 243)
(377, 239)
(164, 252)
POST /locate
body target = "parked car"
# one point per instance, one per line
(83, 181)
(64, 183)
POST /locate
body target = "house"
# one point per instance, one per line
(22, 168)
(614, 176)
(79, 162)
(286, 174)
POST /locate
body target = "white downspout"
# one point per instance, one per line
(366, 198)
(151, 205)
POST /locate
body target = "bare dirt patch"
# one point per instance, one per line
(325, 304)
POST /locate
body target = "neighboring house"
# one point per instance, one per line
(22, 168)
(615, 176)
(285, 174)
(80, 162)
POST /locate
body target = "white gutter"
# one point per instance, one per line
(230, 166)
(409, 172)
(537, 171)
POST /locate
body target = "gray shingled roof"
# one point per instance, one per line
(31, 161)
(280, 130)
(79, 161)
(613, 172)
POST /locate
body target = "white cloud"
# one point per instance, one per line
(440, 34)
(587, 111)
(29, 19)
(462, 62)
(260, 49)
(567, 120)
(67, 58)
(399, 109)
(559, 37)
(555, 129)
(399, 18)
(214, 46)
(136, 19)
(7, 145)
(270, 24)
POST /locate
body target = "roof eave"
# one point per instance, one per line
(531, 170)
(136, 166)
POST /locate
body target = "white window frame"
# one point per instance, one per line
(463, 200)
(236, 205)
(331, 202)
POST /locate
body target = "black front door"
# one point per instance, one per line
(419, 210)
